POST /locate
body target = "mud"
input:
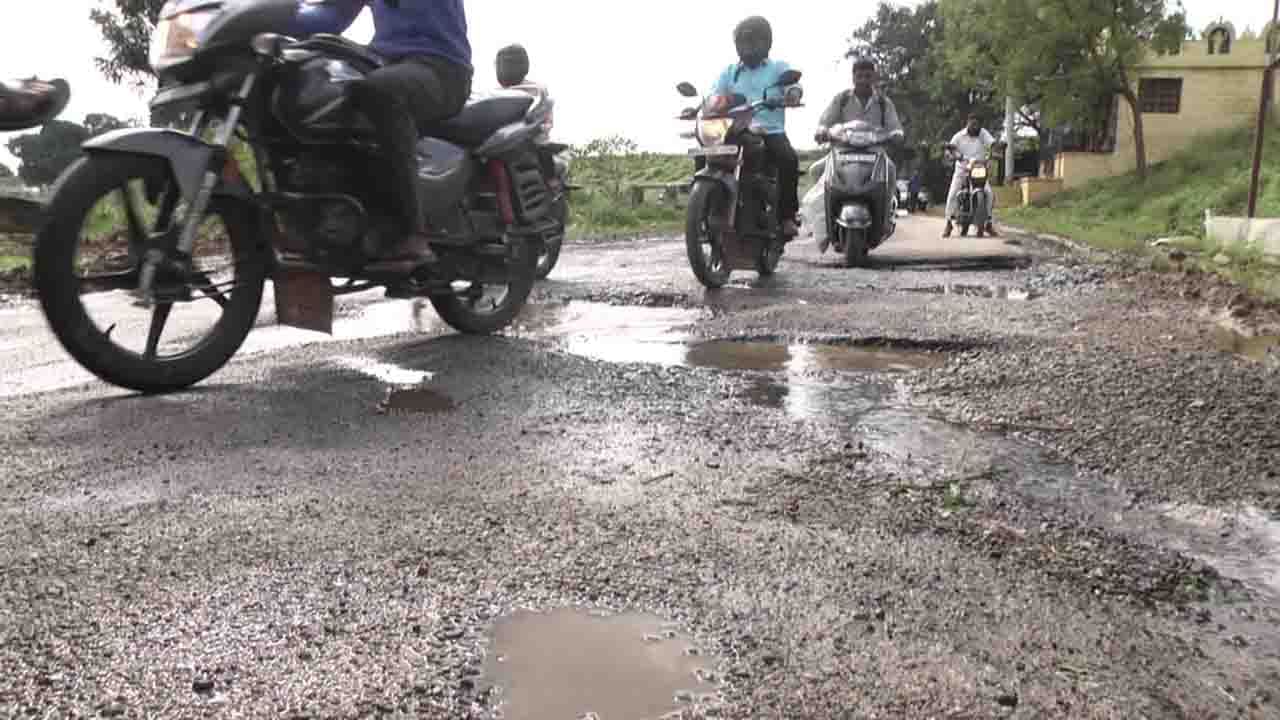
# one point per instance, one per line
(574, 664)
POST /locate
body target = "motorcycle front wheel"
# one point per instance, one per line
(707, 202)
(855, 247)
(108, 213)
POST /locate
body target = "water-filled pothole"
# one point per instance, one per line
(1259, 348)
(570, 664)
(407, 390)
(995, 292)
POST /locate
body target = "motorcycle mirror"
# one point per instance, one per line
(790, 77)
(688, 113)
(687, 90)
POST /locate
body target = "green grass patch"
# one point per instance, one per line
(1123, 215)
(604, 206)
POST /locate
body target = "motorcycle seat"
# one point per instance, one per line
(481, 118)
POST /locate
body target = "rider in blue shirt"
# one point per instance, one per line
(427, 79)
(750, 76)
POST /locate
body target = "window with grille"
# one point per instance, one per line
(1160, 95)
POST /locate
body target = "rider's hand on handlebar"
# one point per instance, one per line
(820, 135)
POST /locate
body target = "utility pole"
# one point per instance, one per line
(1264, 103)
(1008, 138)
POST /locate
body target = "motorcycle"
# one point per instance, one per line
(972, 206)
(555, 167)
(309, 218)
(732, 221)
(920, 202)
(904, 195)
(858, 180)
(26, 104)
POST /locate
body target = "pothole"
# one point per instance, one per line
(569, 664)
(1259, 348)
(407, 390)
(995, 292)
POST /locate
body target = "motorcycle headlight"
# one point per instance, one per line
(714, 131)
(177, 37)
(980, 173)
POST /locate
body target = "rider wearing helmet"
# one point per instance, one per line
(427, 79)
(751, 76)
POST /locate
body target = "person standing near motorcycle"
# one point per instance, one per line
(861, 102)
(971, 143)
(752, 76)
(427, 79)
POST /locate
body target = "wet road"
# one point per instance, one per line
(781, 499)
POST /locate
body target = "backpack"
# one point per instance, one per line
(847, 95)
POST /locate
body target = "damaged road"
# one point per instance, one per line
(982, 478)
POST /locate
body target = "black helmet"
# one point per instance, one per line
(754, 39)
(512, 65)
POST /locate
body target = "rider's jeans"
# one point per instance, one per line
(958, 179)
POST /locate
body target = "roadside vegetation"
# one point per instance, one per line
(1122, 215)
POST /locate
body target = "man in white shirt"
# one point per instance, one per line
(971, 143)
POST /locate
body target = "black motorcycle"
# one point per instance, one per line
(301, 200)
(732, 221)
(859, 186)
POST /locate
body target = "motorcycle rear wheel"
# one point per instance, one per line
(58, 256)
(473, 311)
(551, 248)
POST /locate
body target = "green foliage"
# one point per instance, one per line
(933, 100)
(908, 47)
(1120, 214)
(1070, 57)
(44, 155)
(126, 27)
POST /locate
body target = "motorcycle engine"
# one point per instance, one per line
(318, 217)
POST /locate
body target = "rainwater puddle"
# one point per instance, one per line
(1260, 348)
(407, 392)
(570, 664)
(995, 292)
(1242, 543)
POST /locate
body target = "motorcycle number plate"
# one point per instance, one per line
(714, 150)
(861, 157)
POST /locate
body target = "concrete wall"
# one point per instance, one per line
(1219, 92)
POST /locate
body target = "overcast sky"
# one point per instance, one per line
(612, 67)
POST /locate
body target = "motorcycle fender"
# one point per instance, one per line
(854, 216)
(726, 180)
(189, 157)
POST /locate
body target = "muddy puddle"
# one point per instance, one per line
(994, 292)
(1258, 348)
(407, 389)
(570, 664)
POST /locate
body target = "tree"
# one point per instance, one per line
(127, 29)
(907, 46)
(99, 123)
(1070, 57)
(46, 154)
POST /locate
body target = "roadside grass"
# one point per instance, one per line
(1122, 215)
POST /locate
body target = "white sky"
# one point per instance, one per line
(611, 70)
